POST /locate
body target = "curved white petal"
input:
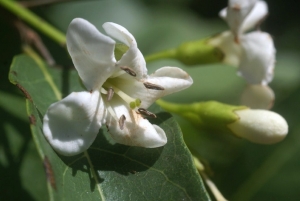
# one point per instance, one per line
(137, 131)
(92, 53)
(72, 124)
(172, 79)
(133, 58)
(258, 97)
(256, 15)
(237, 11)
(225, 42)
(258, 58)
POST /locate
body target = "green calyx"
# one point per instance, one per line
(210, 115)
(191, 53)
(198, 52)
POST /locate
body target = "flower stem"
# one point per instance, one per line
(167, 54)
(34, 20)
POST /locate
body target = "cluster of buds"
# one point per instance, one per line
(253, 53)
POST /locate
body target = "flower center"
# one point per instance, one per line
(111, 89)
(121, 79)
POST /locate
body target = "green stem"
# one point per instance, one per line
(34, 20)
(167, 54)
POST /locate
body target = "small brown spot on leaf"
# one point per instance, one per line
(14, 73)
(26, 94)
(49, 172)
(32, 119)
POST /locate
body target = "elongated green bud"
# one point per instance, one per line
(191, 53)
(198, 52)
(258, 126)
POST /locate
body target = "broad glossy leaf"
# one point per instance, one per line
(20, 165)
(105, 171)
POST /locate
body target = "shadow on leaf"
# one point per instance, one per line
(107, 157)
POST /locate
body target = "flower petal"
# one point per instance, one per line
(172, 79)
(259, 11)
(92, 53)
(72, 124)
(258, 97)
(258, 58)
(225, 42)
(133, 58)
(237, 11)
(137, 131)
(223, 13)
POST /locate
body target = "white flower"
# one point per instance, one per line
(253, 53)
(243, 15)
(259, 126)
(229, 41)
(119, 92)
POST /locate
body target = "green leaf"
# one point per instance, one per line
(20, 165)
(104, 171)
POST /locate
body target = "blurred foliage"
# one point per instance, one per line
(240, 169)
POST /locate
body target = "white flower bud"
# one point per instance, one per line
(259, 126)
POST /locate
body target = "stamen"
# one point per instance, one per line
(124, 96)
(110, 93)
(149, 85)
(122, 121)
(128, 70)
(146, 113)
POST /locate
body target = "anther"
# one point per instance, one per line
(146, 113)
(128, 70)
(149, 85)
(110, 93)
(122, 121)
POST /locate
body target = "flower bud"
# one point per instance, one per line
(258, 97)
(198, 52)
(259, 126)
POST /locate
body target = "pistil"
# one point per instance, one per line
(129, 100)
